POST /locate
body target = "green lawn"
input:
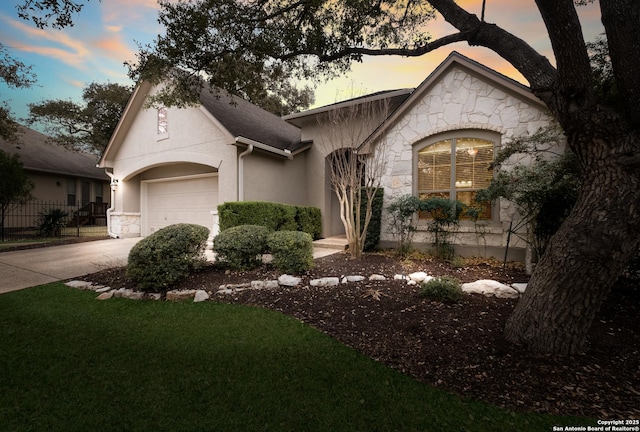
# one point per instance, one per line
(72, 363)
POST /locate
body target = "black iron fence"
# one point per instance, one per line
(43, 219)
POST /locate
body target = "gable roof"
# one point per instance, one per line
(242, 120)
(397, 97)
(245, 120)
(40, 155)
(455, 59)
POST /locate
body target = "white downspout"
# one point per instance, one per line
(111, 205)
(248, 151)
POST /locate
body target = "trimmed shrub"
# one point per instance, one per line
(373, 230)
(292, 251)
(445, 289)
(309, 220)
(158, 261)
(241, 247)
(274, 216)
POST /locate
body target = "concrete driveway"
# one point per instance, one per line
(31, 267)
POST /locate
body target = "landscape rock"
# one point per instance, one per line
(79, 284)
(490, 288)
(235, 286)
(180, 295)
(105, 295)
(133, 295)
(325, 281)
(122, 292)
(377, 277)
(101, 290)
(200, 296)
(355, 278)
(400, 277)
(265, 284)
(288, 280)
(154, 296)
(418, 276)
(520, 287)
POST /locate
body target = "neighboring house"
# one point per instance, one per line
(176, 165)
(60, 175)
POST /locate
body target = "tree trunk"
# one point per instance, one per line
(587, 254)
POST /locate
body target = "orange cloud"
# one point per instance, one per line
(65, 48)
(113, 47)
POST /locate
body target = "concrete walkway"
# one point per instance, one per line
(32, 267)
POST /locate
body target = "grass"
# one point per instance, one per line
(71, 363)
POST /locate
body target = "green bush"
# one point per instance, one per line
(402, 221)
(373, 230)
(309, 220)
(158, 261)
(446, 289)
(274, 216)
(51, 222)
(241, 246)
(292, 251)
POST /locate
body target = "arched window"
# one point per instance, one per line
(456, 166)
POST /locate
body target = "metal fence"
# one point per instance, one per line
(26, 221)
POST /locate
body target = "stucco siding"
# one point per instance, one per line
(268, 178)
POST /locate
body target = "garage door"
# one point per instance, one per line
(178, 200)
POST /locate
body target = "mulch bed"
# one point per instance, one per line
(457, 347)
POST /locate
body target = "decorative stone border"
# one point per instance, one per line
(489, 288)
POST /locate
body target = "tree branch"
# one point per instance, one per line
(620, 19)
(405, 52)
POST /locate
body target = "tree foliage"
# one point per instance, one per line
(15, 187)
(544, 189)
(15, 74)
(86, 126)
(54, 13)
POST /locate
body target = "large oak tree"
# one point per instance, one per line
(86, 126)
(243, 43)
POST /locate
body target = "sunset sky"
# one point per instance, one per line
(106, 32)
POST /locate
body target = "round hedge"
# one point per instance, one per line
(158, 261)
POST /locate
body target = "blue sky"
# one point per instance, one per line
(105, 34)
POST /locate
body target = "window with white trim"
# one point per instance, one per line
(163, 123)
(456, 167)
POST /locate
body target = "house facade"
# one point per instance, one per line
(60, 176)
(173, 165)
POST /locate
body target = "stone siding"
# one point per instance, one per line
(459, 101)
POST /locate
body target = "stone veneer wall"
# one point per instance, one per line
(126, 224)
(459, 101)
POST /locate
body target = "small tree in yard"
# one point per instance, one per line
(15, 187)
(402, 211)
(355, 172)
(544, 191)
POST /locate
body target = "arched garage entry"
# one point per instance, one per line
(180, 199)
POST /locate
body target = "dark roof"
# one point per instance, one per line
(244, 119)
(37, 154)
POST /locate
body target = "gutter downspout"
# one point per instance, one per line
(247, 152)
(111, 207)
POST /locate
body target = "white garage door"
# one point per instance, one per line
(178, 200)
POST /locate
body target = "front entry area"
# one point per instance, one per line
(188, 199)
